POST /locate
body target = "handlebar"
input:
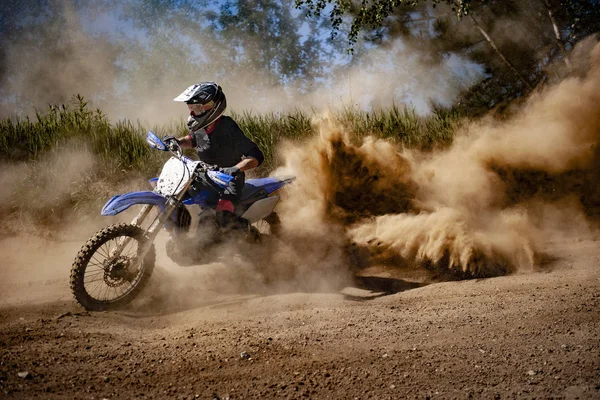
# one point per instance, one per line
(175, 148)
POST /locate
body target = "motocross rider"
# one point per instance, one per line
(218, 140)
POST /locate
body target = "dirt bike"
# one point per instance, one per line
(116, 263)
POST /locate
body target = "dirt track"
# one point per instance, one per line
(529, 335)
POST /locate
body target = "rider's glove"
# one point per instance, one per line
(233, 171)
(169, 141)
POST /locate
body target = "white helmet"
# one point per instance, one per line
(205, 93)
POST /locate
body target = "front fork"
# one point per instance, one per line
(152, 231)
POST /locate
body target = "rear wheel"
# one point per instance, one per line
(270, 225)
(102, 280)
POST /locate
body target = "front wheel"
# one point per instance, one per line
(101, 279)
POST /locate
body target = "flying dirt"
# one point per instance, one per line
(483, 206)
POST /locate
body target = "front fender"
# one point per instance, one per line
(122, 202)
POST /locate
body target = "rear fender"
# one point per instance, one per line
(271, 184)
(260, 209)
(122, 202)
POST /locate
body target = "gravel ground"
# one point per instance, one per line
(535, 334)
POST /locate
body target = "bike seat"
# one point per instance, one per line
(254, 188)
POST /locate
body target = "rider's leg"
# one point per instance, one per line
(227, 202)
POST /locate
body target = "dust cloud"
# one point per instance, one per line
(483, 207)
(110, 65)
(400, 72)
(46, 191)
(50, 64)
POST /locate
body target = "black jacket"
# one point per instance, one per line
(225, 144)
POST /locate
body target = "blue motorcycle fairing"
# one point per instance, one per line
(122, 202)
(220, 178)
(155, 142)
(270, 184)
(209, 198)
(204, 198)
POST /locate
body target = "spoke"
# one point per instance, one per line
(93, 287)
(132, 246)
(96, 265)
(103, 252)
(96, 260)
(95, 269)
(92, 276)
(94, 280)
(101, 289)
(109, 247)
(105, 297)
(132, 253)
(123, 291)
(119, 291)
(106, 247)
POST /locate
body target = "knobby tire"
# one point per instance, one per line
(87, 252)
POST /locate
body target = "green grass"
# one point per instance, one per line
(268, 130)
(122, 145)
(403, 126)
(121, 153)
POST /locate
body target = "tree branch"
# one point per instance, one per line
(559, 41)
(493, 45)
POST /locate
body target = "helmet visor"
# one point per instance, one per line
(199, 109)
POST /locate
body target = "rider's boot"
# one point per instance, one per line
(227, 219)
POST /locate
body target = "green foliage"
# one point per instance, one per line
(120, 146)
(264, 36)
(371, 14)
(580, 18)
(268, 130)
(141, 49)
(402, 126)
(514, 40)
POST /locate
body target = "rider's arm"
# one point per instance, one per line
(186, 142)
(247, 163)
(252, 158)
